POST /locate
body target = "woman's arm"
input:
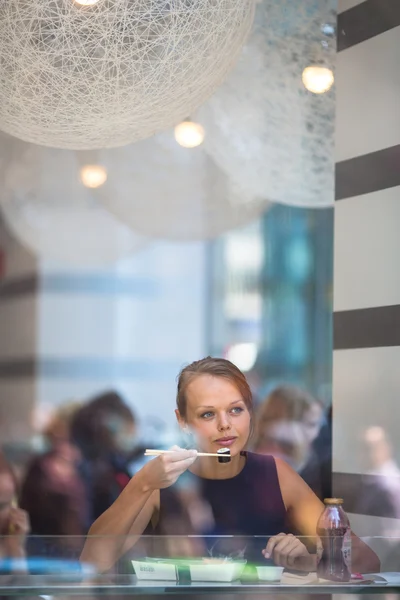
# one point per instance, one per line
(116, 530)
(119, 527)
(304, 510)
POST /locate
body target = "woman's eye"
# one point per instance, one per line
(237, 410)
(206, 415)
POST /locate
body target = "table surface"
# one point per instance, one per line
(22, 585)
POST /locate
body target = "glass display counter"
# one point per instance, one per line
(174, 565)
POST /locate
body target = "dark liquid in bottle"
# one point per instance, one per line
(333, 564)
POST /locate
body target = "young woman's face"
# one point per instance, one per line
(216, 414)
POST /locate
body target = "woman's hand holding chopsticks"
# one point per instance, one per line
(165, 469)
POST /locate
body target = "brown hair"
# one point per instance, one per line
(216, 367)
(90, 429)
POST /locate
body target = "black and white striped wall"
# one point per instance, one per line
(19, 285)
(366, 363)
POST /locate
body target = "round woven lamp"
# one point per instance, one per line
(47, 206)
(263, 127)
(165, 191)
(84, 74)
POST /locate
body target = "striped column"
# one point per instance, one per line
(366, 373)
(18, 338)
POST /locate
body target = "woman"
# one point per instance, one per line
(250, 495)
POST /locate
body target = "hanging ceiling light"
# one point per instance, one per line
(162, 190)
(93, 176)
(81, 77)
(47, 206)
(317, 79)
(264, 129)
(155, 189)
(189, 134)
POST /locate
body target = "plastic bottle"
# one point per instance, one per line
(334, 542)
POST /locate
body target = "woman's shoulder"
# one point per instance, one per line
(293, 487)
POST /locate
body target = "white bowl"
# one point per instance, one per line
(269, 573)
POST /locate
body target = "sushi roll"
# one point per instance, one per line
(225, 455)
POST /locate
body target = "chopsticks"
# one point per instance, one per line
(150, 452)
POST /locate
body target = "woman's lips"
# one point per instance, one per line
(225, 442)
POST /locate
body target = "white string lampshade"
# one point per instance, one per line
(163, 190)
(49, 209)
(84, 74)
(264, 128)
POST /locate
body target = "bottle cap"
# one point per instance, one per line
(333, 501)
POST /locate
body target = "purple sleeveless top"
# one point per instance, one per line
(249, 504)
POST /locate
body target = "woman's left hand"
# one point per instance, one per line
(286, 550)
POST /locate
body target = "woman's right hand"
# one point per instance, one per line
(163, 471)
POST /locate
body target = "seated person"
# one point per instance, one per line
(250, 495)
(53, 493)
(288, 423)
(104, 430)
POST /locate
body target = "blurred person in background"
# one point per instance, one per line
(57, 432)
(288, 423)
(380, 491)
(53, 492)
(379, 494)
(105, 432)
(14, 522)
